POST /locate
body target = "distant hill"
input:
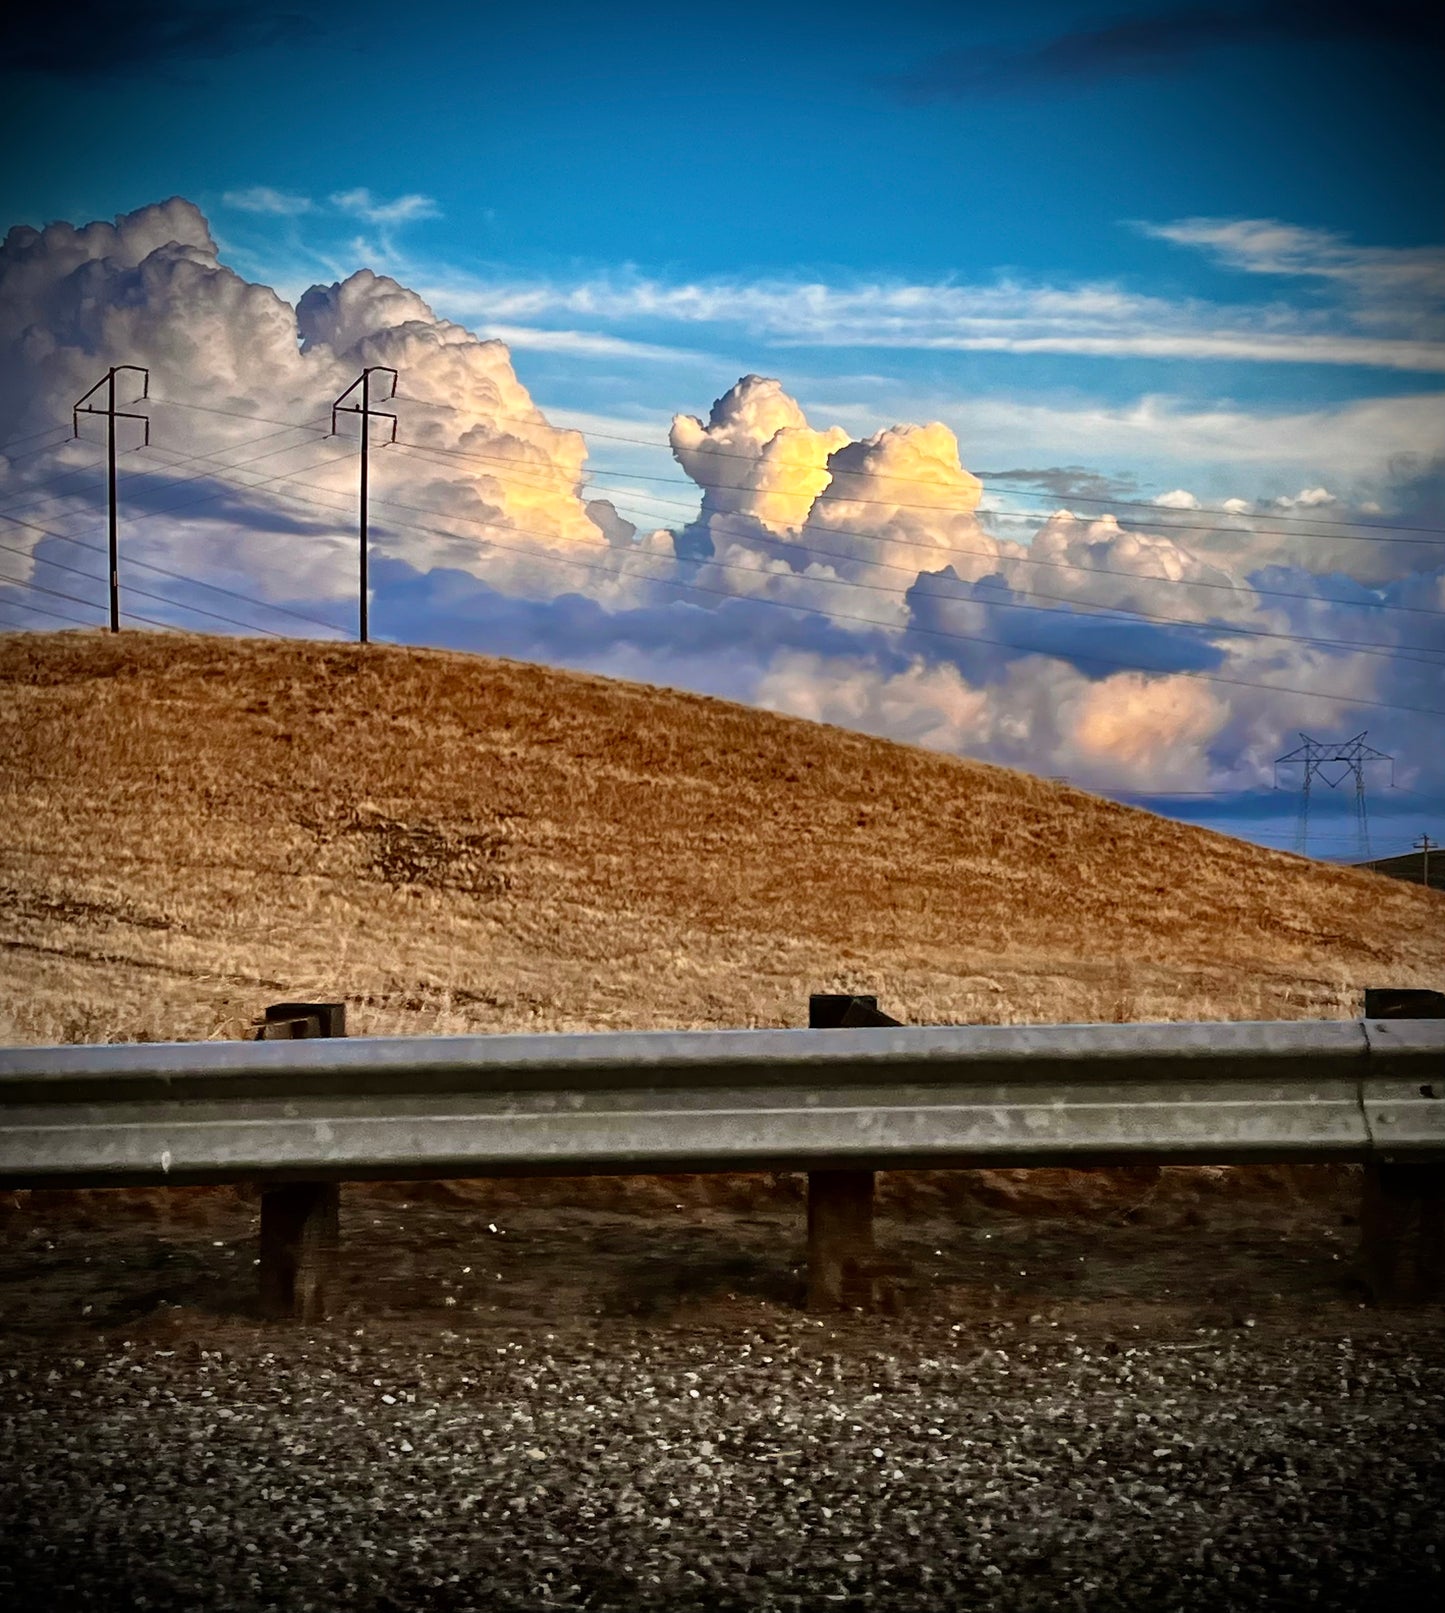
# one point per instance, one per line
(1411, 865)
(196, 826)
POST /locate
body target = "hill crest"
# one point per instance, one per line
(199, 825)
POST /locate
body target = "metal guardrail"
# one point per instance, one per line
(664, 1101)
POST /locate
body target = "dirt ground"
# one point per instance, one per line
(1165, 1251)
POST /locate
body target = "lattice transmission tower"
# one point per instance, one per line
(1333, 764)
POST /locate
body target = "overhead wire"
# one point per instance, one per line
(127, 476)
(1096, 609)
(131, 591)
(1110, 612)
(43, 610)
(1105, 611)
(924, 481)
(727, 594)
(133, 616)
(30, 436)
(1164, 520)
(936, 550)
(196, 581)
(1021, 559)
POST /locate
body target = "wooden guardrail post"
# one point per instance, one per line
(299, 1220)
(843, 1267)
(1402, 1211)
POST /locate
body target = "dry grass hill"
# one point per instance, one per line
(195, 826)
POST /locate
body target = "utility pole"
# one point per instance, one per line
(1425, 845)
(1334, 764)
(367, 414)
(85, 406)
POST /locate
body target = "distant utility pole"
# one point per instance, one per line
(85, 406)
(1334, 764)
(1425, 845)
(368, 414)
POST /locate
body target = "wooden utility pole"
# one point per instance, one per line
(1425, 845)
(85, 406)
(367, 414)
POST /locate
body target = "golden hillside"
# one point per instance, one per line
(196, 826)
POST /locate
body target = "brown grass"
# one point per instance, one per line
(196, 826)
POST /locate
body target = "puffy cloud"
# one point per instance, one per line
(1124, 731)
(757, 455)
(487, 481)
(1082, 644)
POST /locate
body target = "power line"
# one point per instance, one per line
(177, 576)
(1034, 560)
(938, 550)
(30, 436)
(129, 616)
(974, 638)
(924, 481)
(1135, 578)
(726, 594)
(1020, 559)
(44, 448)
(142, 593)
(183, 577)
(43, 610)
(183, 459)
(46, 488)
(316, 423)
(789, 546)
(232, 487)
(1106, 611)
(1160, 514)
(1164, 522)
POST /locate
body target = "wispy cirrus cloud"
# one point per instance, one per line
(1168, 39)
(1386, 314)
(266, 200)
(585, 344)
(360, 203)
(1403, 286)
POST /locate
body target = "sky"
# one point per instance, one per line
(1058, 384)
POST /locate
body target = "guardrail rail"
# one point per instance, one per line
(304, 1109)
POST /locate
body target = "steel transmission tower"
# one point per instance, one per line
(1333, 764)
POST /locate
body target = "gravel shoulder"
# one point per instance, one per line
(621, 1408)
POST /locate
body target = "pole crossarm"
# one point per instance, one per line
(364, 408)
(84, 405)
(636, 1102)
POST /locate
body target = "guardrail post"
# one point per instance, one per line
(1402, 1210)
(843, 1269)
(299, 1220)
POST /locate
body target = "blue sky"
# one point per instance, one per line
(1122, 250)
